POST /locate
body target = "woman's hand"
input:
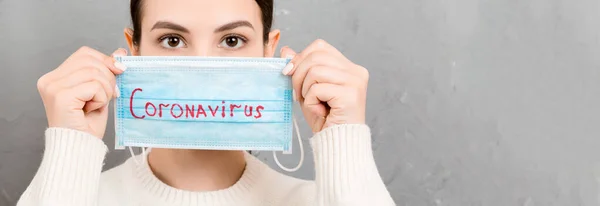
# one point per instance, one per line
(77, 93)
(330, 88)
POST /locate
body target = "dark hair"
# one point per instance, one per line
(266, 7)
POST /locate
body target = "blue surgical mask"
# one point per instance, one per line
(213, 103)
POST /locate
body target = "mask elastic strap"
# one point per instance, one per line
(135, 159)
(301, 151)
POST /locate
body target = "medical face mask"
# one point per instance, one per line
(214, 103)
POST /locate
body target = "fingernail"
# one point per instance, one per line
(117, 92)
(120, 52)
(288, 68)
(120, 66)
(290, 56)
(294, 96)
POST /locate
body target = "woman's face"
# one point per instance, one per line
(203, 28)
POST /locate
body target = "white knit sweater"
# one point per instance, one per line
(70, 174)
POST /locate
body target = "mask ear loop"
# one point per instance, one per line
(135, 159)
(301, 151)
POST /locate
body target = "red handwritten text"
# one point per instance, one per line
(188, 111)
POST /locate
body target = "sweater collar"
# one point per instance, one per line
(238, 194)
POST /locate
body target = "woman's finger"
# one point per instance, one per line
(84, 57)
(91, 95)
(87, 51)
(119, 53)
(95, 94)
(324, 74)
(321, 45)
(86, 63)
(82, 76)
(318, 100)
(104, 71)
(317, 45)
(114, 66)
(108, 61)
(322, 93)
(319, 58)
(287, 52)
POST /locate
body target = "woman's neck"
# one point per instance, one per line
(197, 170)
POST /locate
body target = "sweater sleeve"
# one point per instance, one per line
(346, 173)
(70, 170)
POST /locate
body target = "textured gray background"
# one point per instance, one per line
(472, 102)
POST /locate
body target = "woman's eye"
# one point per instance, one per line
(232, 42)
(172, 42)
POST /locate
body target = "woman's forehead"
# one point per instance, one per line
(201, 14)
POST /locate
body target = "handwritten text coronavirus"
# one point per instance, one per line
(193, 111)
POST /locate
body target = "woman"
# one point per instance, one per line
(330, 88)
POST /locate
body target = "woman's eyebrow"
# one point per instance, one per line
(169, 25)
(234, 25)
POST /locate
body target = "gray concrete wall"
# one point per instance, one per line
(471, 102)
